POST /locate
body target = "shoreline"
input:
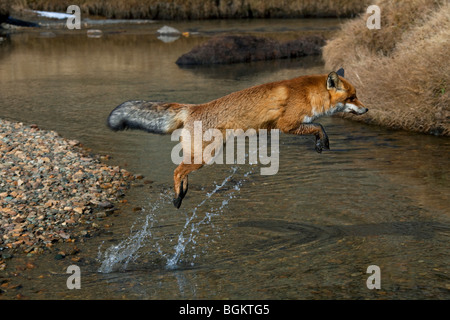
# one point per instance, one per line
(51, 190)
(200, 10)
(398, 96)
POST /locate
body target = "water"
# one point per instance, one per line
(379, 197)
(118, 256)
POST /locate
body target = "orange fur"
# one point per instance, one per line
(288, 105)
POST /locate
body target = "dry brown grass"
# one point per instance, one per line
(401, 71)
(204, 9)
(5, 7)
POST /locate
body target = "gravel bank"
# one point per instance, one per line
(49, 185)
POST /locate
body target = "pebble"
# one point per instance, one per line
(59, 256)
(48, 185)
(101, 214)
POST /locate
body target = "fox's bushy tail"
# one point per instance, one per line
(154, 117)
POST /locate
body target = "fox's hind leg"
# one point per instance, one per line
(180, 177)
(191, 153)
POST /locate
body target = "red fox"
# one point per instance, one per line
(288, 105)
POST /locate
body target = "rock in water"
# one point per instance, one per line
(166, 30)
(235, 48)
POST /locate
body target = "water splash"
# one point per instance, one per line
(120, 255)
(127, 251)
(190, 229)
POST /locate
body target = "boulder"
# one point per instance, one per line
(246, 48)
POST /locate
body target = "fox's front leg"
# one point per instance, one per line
(316, 129)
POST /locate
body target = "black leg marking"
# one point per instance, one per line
(322, 143)
(181, 195)
(177, 202)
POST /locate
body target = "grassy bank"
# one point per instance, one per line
(5, 7)
(401, 71)
(203, 9)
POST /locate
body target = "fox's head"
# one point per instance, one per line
(343, 94)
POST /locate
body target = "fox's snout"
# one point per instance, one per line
(359, 111)
(355, 108)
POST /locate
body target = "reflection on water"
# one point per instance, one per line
(379, 197)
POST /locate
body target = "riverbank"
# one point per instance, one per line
(48, 186)
(401, 70)
(200, 9)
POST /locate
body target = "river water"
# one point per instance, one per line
(379, 197)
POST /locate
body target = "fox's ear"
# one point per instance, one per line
(333, 81)
(340, 72)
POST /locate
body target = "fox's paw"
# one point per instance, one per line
(181, 193)
(322, 144)
(177, 202)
